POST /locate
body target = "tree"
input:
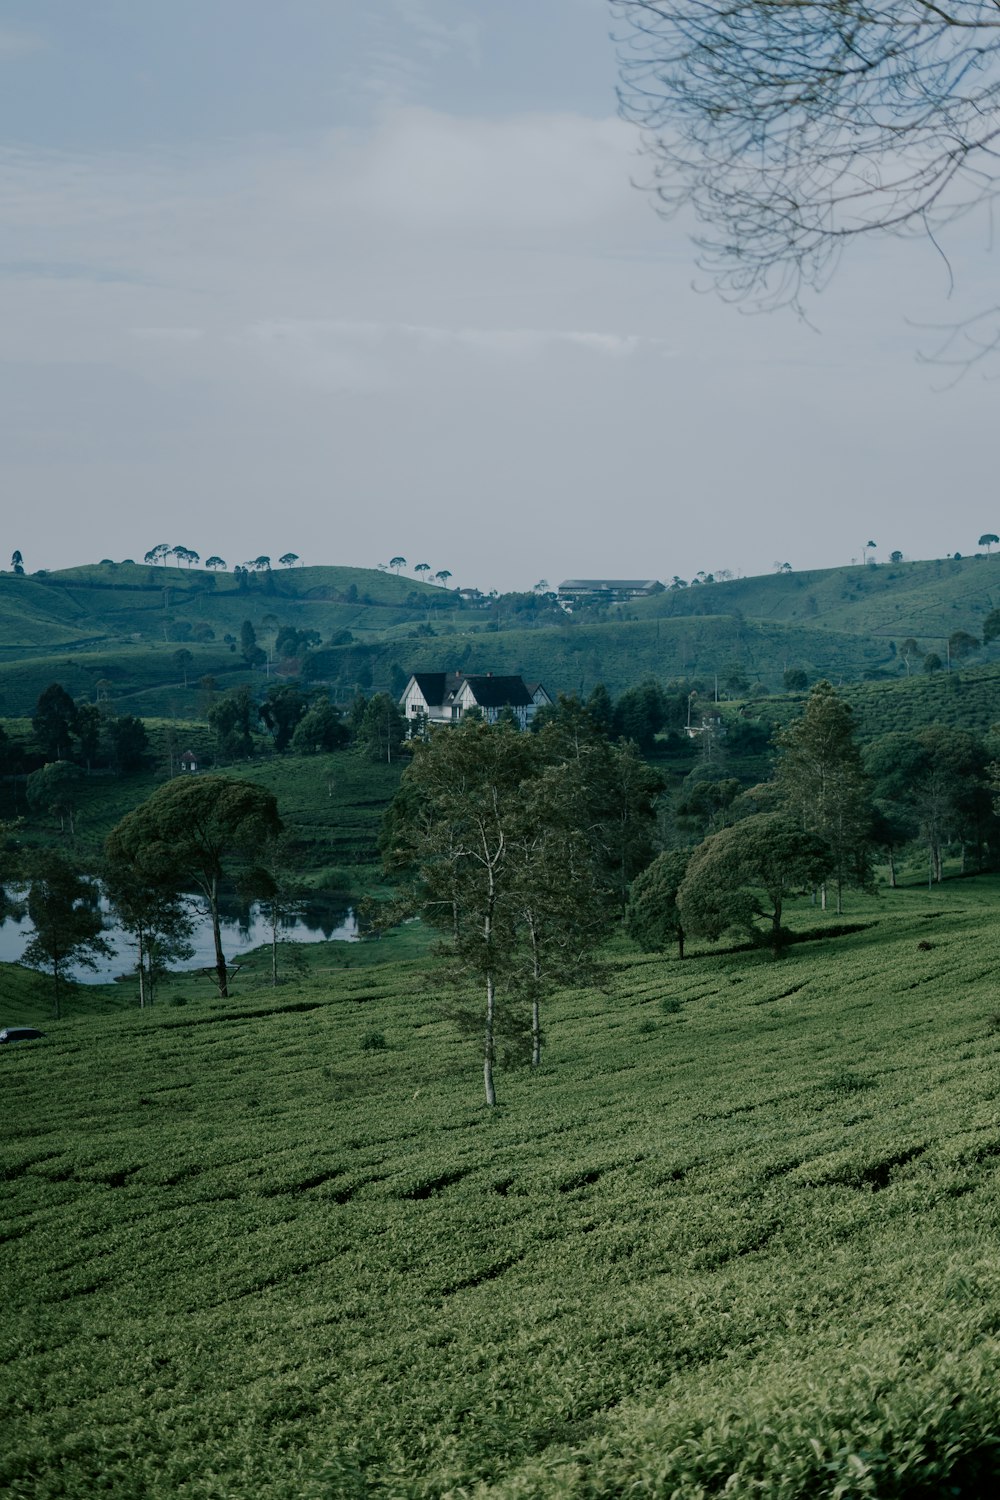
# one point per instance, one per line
(54, 720)
(182, 661)
(746, 873)
(639, 713)
(382, 729)
(288, 559)
(442, 575)
(214, 562)
(17, 562)
(396, 563)
(503, 865)
(128, 742)
(55, 789)
(932, 662)
(792, 129)
(322, 728)
(988, 540)
(652, 916)
(65, 914)
(251, 652)
(896, 557)
(822, 783)
(282, 710)
(232, 720)
(89, 727)
(961, 644)
(196, 829)
(157, 554)
(149, 909)
(991, 627)
(422, 568)
(909, 652)
(794, 680)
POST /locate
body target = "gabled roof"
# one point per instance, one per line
(434, 685)
(498, 692)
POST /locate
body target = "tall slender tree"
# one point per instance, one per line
(822, 782)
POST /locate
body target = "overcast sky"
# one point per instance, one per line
(358, 280)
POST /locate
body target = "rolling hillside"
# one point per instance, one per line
(122, 624)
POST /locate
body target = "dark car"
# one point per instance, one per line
(19, 1034)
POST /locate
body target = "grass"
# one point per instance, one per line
(739, 1235)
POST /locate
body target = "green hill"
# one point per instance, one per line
(122, 623)
(739, 1235)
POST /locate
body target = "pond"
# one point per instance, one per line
(323, 919)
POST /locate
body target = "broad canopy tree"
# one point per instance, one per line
(196, 831)
(745, 874)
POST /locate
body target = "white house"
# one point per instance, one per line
(445, 697)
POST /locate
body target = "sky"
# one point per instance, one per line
(363, 281)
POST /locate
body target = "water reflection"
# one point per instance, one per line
(244, 926)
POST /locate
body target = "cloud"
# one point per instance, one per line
(18, 44)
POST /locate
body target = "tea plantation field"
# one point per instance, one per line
(740, 1236)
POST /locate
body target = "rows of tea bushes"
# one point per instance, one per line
(740, 1234)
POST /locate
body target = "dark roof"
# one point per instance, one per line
(433, 685)
(498, 692)
(601, 585)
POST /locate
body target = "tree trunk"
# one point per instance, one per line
(680, 942)
(491, 1097)
(221, 972)
(892, 870)
(536, 1015)
(822, 896)
(142, 970)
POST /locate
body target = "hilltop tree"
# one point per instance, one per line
(745, 874)
(396, 563)
(214, 562)
(288, 559)
(792, 129)
(422, 568)
(68, 928)
(988, 540)
(17, 562)
(198, 830)
(157, 554)
(896, 557)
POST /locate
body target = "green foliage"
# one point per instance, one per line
(63, 909)
(746, 873)
(652, 916)
(191, 831)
